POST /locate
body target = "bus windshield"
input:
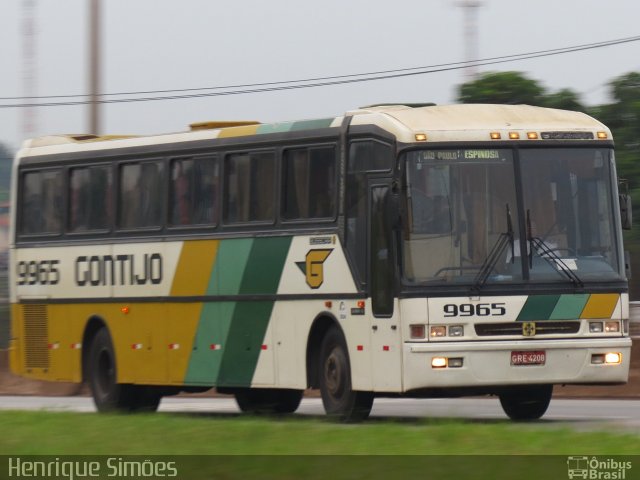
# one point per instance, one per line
(463, 224)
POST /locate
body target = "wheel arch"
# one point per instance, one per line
(94, 324)
(319, 328)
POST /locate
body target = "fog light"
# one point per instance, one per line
(439, 331)
(595, 327)
(612, 327)
(613, 358)
(438, 362)
(456, 331)
(417, 331)
(455, 362)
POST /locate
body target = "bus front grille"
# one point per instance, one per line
(515, 328)
(36, 334)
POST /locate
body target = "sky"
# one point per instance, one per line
(180, 44)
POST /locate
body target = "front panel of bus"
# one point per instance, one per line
(512, 266)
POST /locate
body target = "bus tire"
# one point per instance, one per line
(338, 398)
(526, 403)
(268, 400)
(108, 395)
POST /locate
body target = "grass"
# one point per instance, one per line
(231, 446)
(182, 434)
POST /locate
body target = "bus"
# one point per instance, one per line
(395, 250)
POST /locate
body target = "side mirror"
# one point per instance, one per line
(626, 214)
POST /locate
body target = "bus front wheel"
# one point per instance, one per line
(526, 403)
(338, 398)
(108, 395)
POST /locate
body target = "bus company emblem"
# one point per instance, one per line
(529, 329)
(313, 266)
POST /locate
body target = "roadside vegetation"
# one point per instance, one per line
(55, 433)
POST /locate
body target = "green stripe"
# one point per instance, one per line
(250, 319)
(215, 319)
(295, 126)
(538, 307)
(569, 307)
(245, 267)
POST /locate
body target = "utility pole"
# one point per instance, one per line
(94, 67)
(470, 10)
(29, 66)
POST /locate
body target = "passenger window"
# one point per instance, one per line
(140, 195)
(249, 181)
(42, 199)
(90, 198)
(194, 187)
(309, 183)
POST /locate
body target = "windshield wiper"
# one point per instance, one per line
(545, 252)
(505, 238)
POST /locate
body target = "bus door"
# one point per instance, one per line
(386, 343)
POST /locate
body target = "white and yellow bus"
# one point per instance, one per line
(392, 251)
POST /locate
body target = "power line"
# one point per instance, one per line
(309, 82)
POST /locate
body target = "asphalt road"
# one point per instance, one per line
(578, 414)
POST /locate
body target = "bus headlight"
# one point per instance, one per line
(595, 327)
(612, 327)
(456, 331)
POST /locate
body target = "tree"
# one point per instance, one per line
(502, 87)
(564, 99)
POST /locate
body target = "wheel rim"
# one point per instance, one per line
(334, 373)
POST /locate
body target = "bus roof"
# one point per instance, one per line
(446, 123)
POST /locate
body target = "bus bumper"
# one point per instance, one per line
(490, 363)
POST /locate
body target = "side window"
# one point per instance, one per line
(41, 203)
(370, 156)
(250, 187)
(89, 198)
(140, 195)
(194, 191)
(309, 183)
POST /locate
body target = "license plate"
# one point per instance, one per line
(538, 357)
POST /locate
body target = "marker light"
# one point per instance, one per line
(532, 135)
(360, 304)
(421, 137)
(595, 327)
(417, 331)
(495, 135)
(602, 135)
(514, 135)
(438, 362)
(125, 310)
(439, 331)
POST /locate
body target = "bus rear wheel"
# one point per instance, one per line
(268, 400)
(338, 398)
(526, 403)
(108, 395)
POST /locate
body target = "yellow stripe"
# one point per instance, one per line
(600, 305)
(238, 131)
(195, 267)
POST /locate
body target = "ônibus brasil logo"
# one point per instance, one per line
(597, 468)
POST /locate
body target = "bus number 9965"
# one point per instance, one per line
(470, 310)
